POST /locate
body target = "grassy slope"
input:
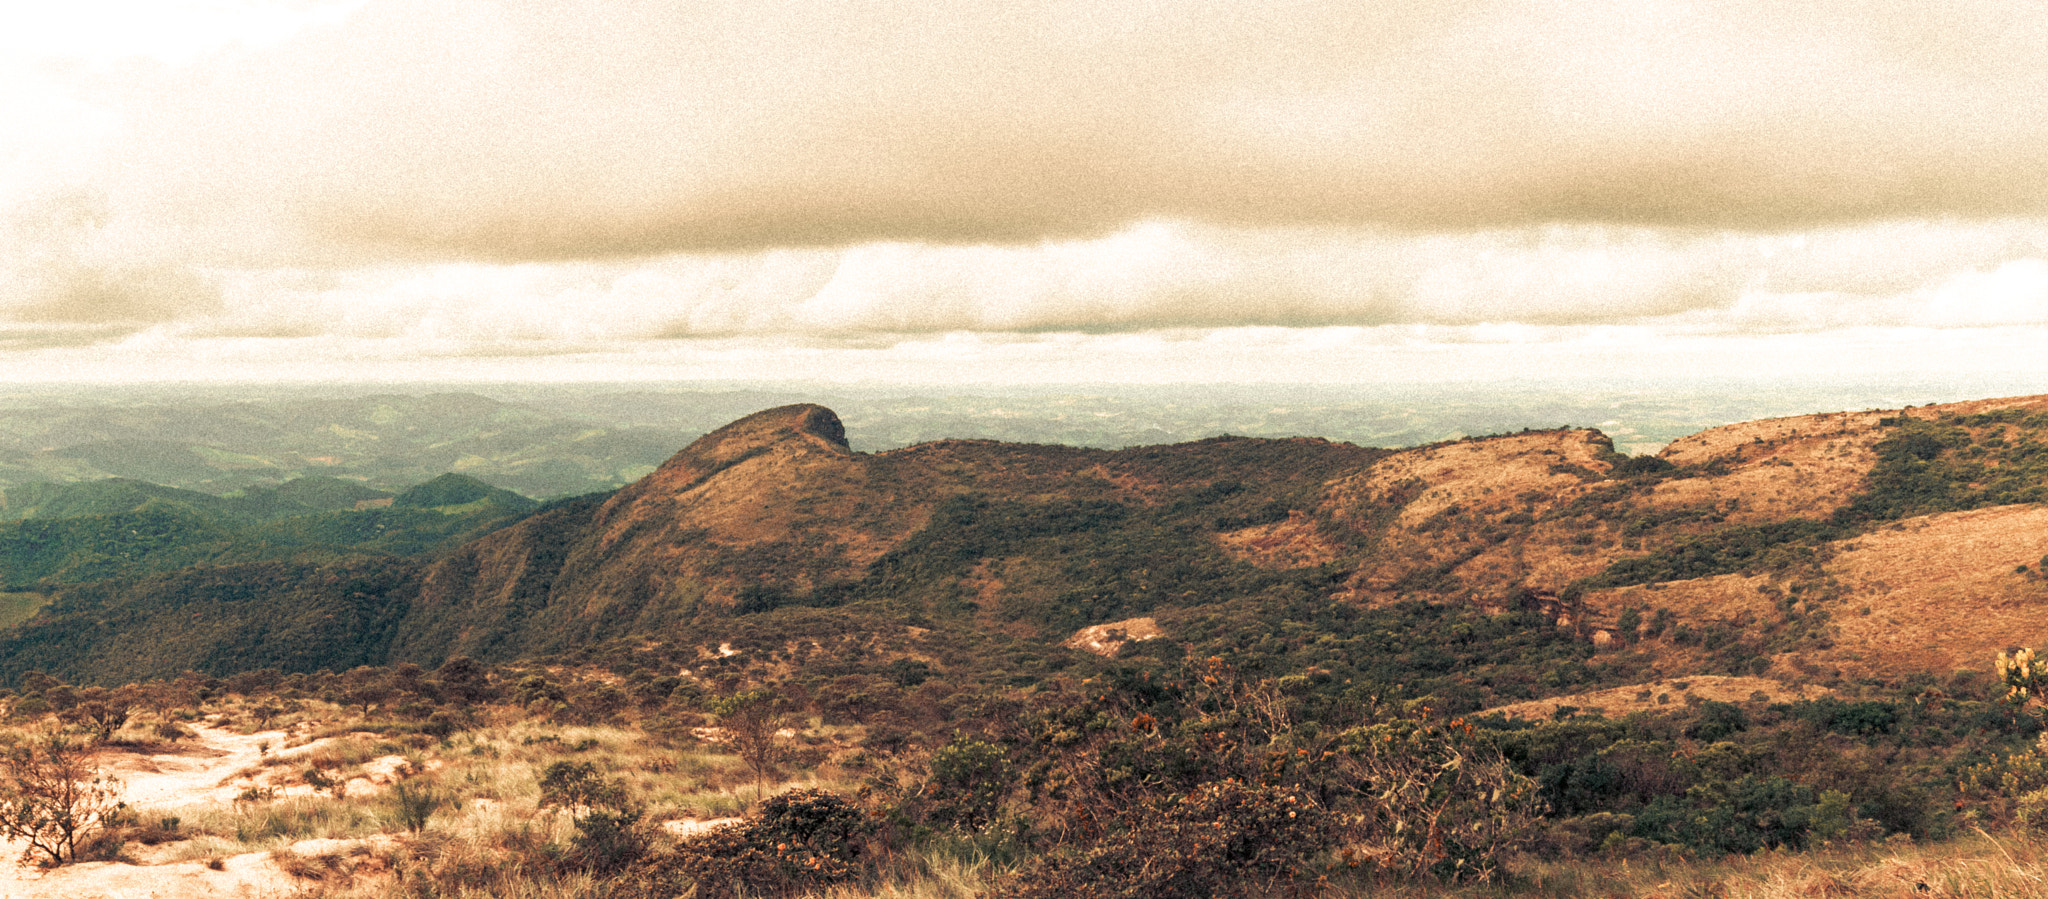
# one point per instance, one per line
(16, 608)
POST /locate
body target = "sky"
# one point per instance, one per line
(1023, 191)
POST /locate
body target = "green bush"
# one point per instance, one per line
(1755, 812)
(797, 842)
(969, 778)
(607, 841)
(1225, 839)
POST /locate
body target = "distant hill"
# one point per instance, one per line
(1809, 547)
(381, 442)
(54, 534)
(554, 440)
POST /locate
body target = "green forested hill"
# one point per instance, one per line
(75, 533)
(291, 616)
(299, 496)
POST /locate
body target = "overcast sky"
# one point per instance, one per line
(1022, 190)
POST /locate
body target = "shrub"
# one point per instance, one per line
(52, 798)
(610, 835)
(1225, 839)
(969, 778)
(414, 805)
(608, 840)
(1435, 800)
(1740, 816)
(800, 840)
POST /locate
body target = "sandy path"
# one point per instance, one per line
(690, 827)
(197, 771)
(252, 875)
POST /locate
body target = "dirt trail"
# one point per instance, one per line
(198, 771)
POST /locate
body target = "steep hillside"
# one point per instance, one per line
(775, 510)
(1861, 544)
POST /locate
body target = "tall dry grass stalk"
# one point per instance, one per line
(1977, 866)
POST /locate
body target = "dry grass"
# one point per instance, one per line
(1936, 593)
(1942, 590)
(486, 830)
(490, 839)
(1980, 866)
(1806, 465)
(1292, 543)
(1482, 480)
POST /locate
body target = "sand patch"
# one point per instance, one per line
(1665, 695)
(191, 772)
(1106, 639)
(690, 827)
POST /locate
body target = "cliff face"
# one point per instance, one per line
(1719, 530)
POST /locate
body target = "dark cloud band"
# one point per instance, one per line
(513, 131)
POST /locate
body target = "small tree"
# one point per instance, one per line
(366, 688)
(101, 710)
(51, 796)
(163, 698)
(753, 720)
(578, 787)
(609, 835)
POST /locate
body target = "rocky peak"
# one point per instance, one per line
(801, 426)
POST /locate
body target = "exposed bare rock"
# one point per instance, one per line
(1109, 639)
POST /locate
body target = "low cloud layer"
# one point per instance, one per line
(1547, 283)
(605, 128)
(487, 179)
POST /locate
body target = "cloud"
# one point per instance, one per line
(507, 131)
(1161, 277)
(70, 263)
(495, 178)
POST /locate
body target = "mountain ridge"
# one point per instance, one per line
(1741, 550)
